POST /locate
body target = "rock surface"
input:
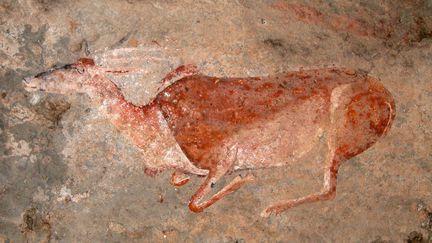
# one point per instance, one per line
(67, 175)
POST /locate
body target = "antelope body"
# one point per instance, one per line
(227, 124)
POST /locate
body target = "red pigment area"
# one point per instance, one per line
(204, 111)
(367, 117)
(391, 27)
(333, 22)
(187, 69)
(86, 62)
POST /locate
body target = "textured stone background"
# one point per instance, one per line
(67, 175)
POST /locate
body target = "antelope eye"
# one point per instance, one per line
(80, 70)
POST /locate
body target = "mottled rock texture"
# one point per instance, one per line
(66, 175)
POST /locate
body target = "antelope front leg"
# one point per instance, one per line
(196, 206)
(177, 180)
(220, 169)
(233, 186)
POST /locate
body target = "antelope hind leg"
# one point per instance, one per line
(328, 191)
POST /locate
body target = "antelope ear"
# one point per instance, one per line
(85, 62)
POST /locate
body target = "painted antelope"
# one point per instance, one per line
(227, 124)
